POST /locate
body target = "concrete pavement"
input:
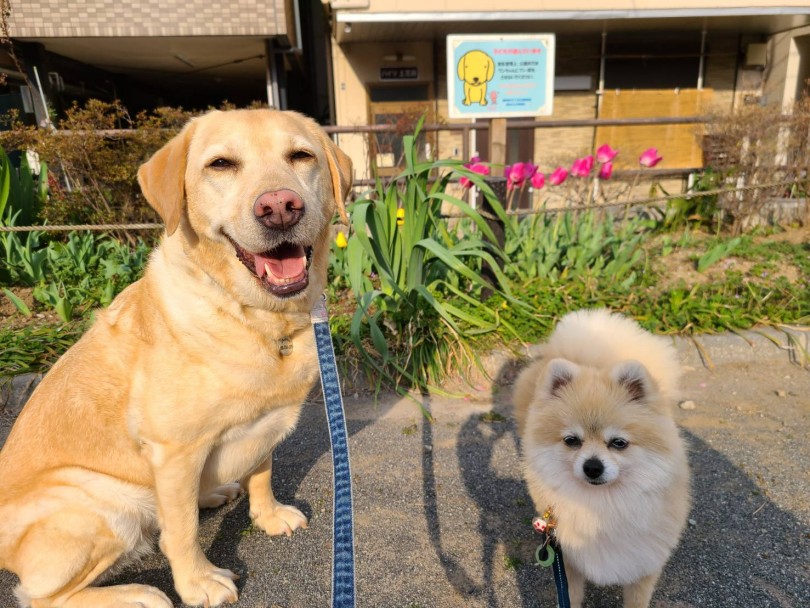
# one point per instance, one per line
(443, 516)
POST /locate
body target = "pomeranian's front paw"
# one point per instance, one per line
(279, 519)
(208, 587)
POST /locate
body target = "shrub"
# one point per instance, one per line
(93, 170)
(754, 147)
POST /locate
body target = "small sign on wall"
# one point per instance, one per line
(399, 73)
(498, 76)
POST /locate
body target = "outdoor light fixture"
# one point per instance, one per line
(347, 29)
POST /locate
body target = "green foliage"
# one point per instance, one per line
(694, 208)
(568, 245)
(409, 272)
(717, 252)
(34, 348)
(18, 303)
(22, 192)
(24, 258)
(82, 273)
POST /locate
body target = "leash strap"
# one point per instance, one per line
(343, 589)
(560, 580)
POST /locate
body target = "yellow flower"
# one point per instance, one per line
(340, 240)
(400, 216)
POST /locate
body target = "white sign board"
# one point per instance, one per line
(497, 76)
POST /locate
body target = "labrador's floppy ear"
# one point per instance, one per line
(340, 168)
(162, 178)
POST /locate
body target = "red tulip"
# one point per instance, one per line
(538, 180)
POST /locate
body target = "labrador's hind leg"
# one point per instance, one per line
(59, 557)
(219, 496)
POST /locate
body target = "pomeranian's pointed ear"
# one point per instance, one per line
(162, 178)
(635, 379)
(559, 374)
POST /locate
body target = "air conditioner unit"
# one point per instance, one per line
(756, 55)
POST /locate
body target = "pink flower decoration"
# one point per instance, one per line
(538, 180)
(650, 158)
(605, 154)
(558, 176)
(606, 170)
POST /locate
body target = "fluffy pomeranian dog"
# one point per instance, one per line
(602, 453)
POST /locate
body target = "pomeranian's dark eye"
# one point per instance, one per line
(301, 155)
(221, 163)
(618, 443)
(572, 442)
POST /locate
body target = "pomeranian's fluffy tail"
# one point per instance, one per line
(601, 338)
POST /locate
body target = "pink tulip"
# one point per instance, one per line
(606, 170)
(476, 167)
(538, 180)
(582, 166)
(558, 176)
(650, 158)
(605, 154)
(479, 168)
(517, 175)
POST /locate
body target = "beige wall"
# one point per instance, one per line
(783, 76)
(62, 18)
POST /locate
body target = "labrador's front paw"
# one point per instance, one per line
(279, 519)
(208, 587)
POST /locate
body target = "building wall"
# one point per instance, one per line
(60, 18)
(546, 5)
(357, 68)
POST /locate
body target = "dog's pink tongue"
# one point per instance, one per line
(288, 267)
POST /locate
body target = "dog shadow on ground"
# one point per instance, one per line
(739, 548)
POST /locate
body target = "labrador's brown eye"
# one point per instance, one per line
(221, 163)
(301, 155)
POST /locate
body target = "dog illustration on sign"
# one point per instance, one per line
(475, 69)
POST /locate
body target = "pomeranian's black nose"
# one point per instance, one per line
(593, 468)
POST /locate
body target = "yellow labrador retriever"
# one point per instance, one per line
(189, 379)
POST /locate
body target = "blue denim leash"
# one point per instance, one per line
(343, 590)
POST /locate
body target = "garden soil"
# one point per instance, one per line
(443, 516)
